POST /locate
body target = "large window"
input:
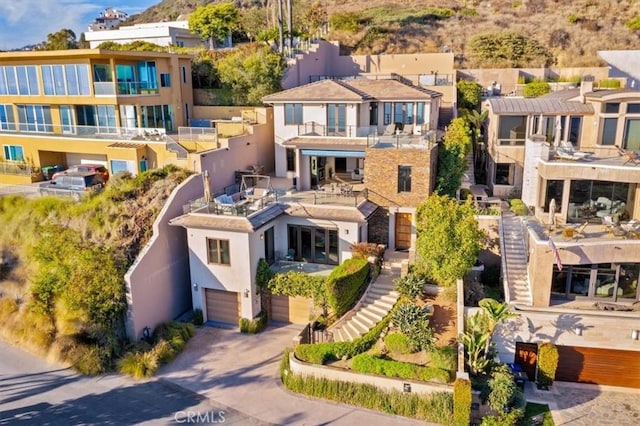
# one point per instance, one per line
(404, 178)
(504, 174)
(291, 160)
(555, 189)
(13, 153)
(7, 121)
(312, 244)
(35, 118)
(512, 129)
(336, 119)
(292, 114)
(157, 116)
(574, 131)
(631, 139)
(608, 281)
(386, 106)
(101, 116)
(218, 252)
(420, 113)
(66, 80)
(19, 80)
(609, 130)
(596, 199)
(403, 113)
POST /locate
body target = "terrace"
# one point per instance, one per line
(84, 132)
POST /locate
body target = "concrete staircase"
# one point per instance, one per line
(517, 290)
(375, 304)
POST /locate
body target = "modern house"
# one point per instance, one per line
(172, 33)
(316, 204)
(110, 19)
(571, 268)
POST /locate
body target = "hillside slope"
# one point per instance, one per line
(573, 30)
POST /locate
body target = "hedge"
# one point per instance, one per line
(369, 364)
(321, 353)
(547, 363)
(345, 284)
(461, 402)
(435, 408)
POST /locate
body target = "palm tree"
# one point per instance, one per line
(476, 121)
(495, 313)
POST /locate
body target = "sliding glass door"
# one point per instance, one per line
(314, 244)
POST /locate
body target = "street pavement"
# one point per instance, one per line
(33, 392)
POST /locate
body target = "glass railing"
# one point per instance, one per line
(89, 132)
(110, 88)
(426, 140)
(198, 134)
(316, 129)
(15, 168)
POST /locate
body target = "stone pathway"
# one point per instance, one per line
(586, 405)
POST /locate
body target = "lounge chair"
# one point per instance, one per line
(568, 147)
(631, 156)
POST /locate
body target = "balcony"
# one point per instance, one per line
(402, 141)
(84, 132)
(320, 130)
(110, 88)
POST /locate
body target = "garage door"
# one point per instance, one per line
(223, 306)
(599, 366)
(290, 309)
(73, 159)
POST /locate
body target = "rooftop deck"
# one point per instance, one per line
(586, 233)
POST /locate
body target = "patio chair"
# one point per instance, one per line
(291, 254)
(631, 156)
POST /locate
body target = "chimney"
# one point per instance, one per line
(586, 86)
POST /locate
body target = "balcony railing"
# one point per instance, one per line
(110, 88)
(88, 132)
(426, 140)
(316, 129)
(15, 168)
(197, 134)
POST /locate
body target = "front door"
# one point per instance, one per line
(341, 164)
(403, 231)
(526, 357)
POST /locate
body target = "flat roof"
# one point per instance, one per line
(34, 55)
(510, 105)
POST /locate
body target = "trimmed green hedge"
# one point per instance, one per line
(321, 353)
(435, 408)
(345, 284)
(369, 364)
(461, 402)
(547, 363)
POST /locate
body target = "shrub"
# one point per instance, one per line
(547, 363)
(411, 286)
(345, 21)
(139, 365)
(368, 364)
(198, 318)
(345, 284)
(398, 343)
(295, 283)
(263, 274)
(633, 24)
(518, 207)
(255, 325)
(321, 353)
(461, 402)
(437, 407)
(573, 19)
(444, 357)
(413, 321)
(609, 83)
(364, 250)
(164, 352)
(536, 89)
(8, 307)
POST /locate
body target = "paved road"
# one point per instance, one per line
(33, 392)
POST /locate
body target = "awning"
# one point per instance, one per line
(332, 153)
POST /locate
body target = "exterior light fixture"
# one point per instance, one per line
(246, 292)
(635, 334)
(577, 329)
(262, 236)
(195, 286)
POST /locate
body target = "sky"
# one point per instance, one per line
(24, 22)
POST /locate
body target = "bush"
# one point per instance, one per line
(518, 207)
(139, 365)
(445, 357)
(413, 321)
(198, 318)
(344, 21)
(411, 286)
(436, 408)
(547, 363)
(8, 307)
(461, 402)
(633, 24)
(368, 364)
(536, 89)
(295, 283)
(321, 353)
(164, 352)
(255, 325)
(398, 343)
(345, 284)
(609, 83)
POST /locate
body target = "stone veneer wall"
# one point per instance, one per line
(381, 171)
(378, 227)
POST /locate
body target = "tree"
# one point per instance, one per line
(452, 157)
(312, 18)
(251, 72)
(64, 39)
(469, 94)
(476, 120)
(448, 240)
(252, 22)
(214, 22)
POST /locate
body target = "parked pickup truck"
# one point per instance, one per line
(74, 185)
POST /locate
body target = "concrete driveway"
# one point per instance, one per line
(579, 404)
(240, 372)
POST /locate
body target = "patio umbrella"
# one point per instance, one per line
(557, 133)
(552, 213)
(207, 186)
